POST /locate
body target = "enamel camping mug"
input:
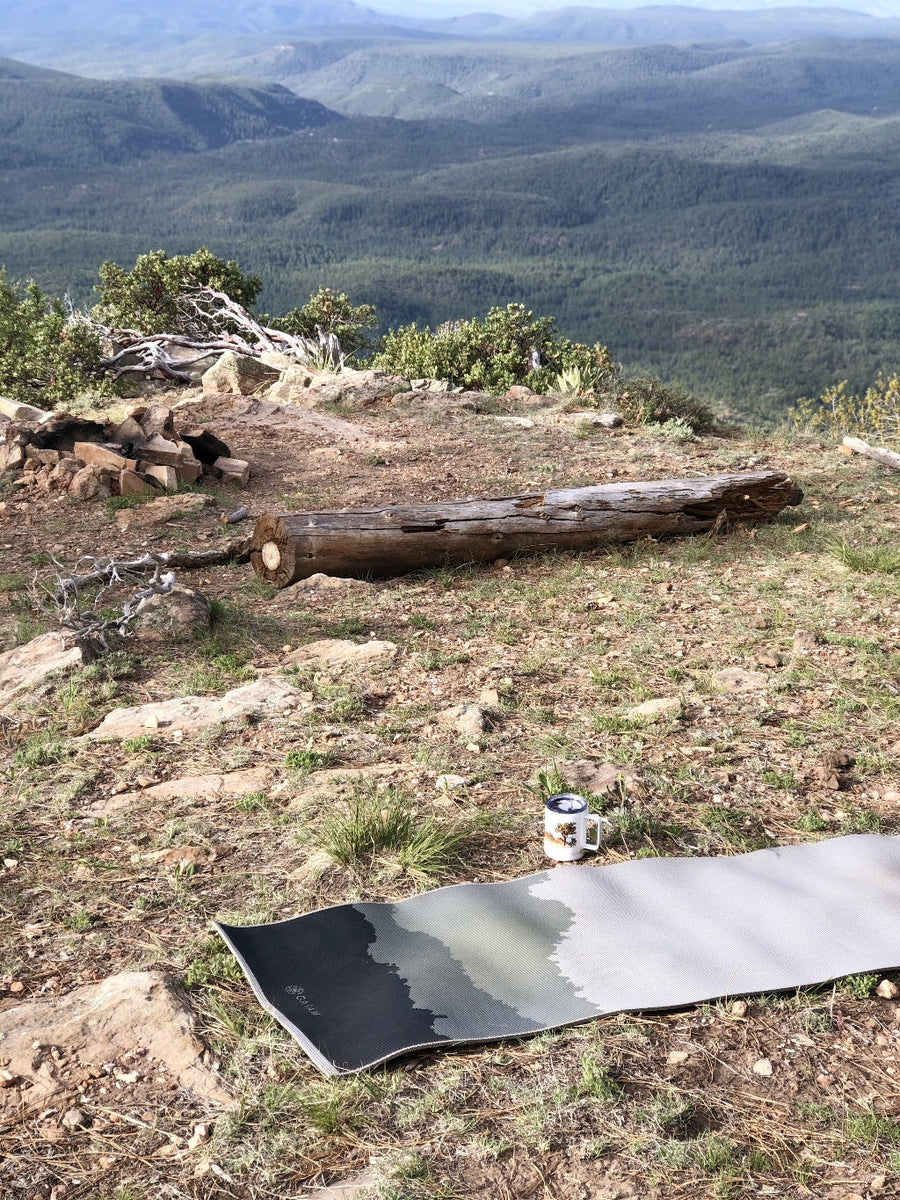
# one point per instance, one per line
(566, 821)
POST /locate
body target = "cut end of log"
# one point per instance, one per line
(271, 556)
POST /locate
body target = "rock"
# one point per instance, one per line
(334, 652)
(450, 783)
(653, 710)
(170, 615)
(232, 470)
(599, 779)
(831, 772)
(24, 667)
(189, 787)
(294, 388)
(314, 867)
(739, 1009)
(166, 477)
(356, 389)
(515, 422)
(736, 679)
(336, 780)
(205, 445)
(887, 989)
(676, 1057)
(519, 391)
(158, 511)
(133, 484)
(164, 452)
(237, 375)
(90, 482)
(75, 1118)
(278, 361)
(805, 640)
(12, 457)
(328, 583)
(595, 420)
(182, 856)
(489, 697)
(768, 658)
(467, 719)
(156, 421)
(128, 432)
(102, 456)
(190, 468)
(62, 474)
(169, 718)
(763, 1066)
(97, 1024)
(47, 458)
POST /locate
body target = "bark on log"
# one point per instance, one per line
(400, 538)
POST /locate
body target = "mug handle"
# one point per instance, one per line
(598, 821)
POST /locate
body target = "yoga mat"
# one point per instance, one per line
(357, 984)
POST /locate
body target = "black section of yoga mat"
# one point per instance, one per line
(351, 1009)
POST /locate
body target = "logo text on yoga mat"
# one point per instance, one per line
(300, 997)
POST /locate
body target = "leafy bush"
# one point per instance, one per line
(649, 401)
(45, 359)
(838, 412)
(334, 313)
(491, 354)
(149, 297)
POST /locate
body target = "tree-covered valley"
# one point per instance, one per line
(723, 215)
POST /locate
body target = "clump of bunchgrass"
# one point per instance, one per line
(375, 823)
(882, 560)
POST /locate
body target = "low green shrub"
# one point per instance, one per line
(507, 347)
(45, 358)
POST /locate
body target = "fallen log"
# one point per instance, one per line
(400, 538)
(887, 458)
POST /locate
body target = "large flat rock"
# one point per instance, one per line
(188, 714)
(50, 1046)
(189, 787)
(23, 668)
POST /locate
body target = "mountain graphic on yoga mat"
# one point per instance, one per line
(358, 984)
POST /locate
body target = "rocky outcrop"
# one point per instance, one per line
(238, 374)
(24, 668)
(54, 1046)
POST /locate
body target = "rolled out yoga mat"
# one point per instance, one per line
(357, 984)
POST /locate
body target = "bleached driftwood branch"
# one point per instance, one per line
(89, 622)
(214, 323)
(111, 571)
(887, 458)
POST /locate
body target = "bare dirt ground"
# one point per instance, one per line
(791, 1095)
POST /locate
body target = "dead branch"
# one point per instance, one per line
(112, 571)
(214, 324)
(89, 622)
(887, 458)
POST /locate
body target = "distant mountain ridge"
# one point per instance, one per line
(52, 31)
(55, 120)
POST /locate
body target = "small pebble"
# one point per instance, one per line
(75, 1118)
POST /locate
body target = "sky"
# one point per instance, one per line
(519, 8)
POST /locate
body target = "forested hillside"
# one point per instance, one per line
(724, 216)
